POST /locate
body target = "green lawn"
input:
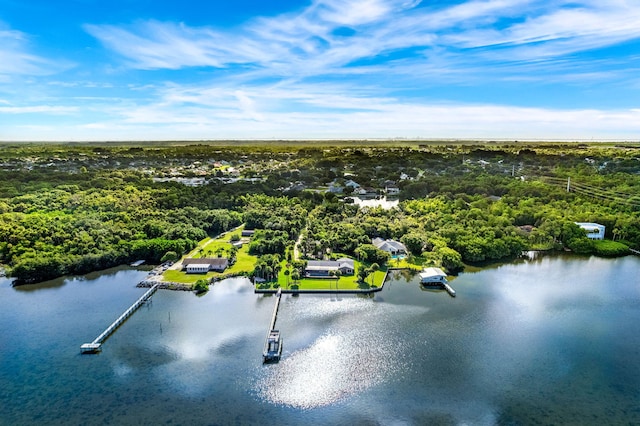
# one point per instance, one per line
(208, 248)
(409, 262)
(346, 282)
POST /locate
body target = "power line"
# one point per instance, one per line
(595, 192)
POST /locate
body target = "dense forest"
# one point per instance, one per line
(75, 208)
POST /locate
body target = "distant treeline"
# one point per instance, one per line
(71, 209)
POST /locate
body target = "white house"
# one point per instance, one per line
(391, 246)
(595, 231)
(205, 264)
(392, 190)
(433, 276)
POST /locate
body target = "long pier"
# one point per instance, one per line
(94, 346)
(273, 342)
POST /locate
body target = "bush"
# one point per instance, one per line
(201, 286)
(169, 256)
(451, 260)
(581, 245)
(610, 248)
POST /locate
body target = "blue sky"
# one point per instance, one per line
(166, 70)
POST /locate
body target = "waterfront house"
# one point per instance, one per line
(595, 231)
(204, 265)
(393, 247)
(323, 268)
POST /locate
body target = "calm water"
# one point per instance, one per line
(552, 340)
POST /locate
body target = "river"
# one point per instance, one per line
(540, 341)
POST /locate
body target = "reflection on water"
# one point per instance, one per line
(339, 360)
(546, 340)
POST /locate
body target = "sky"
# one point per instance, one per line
(91, 70)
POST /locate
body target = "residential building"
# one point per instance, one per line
(204, 265)
(323, 268)
(595, 231)
(392, 190)
(391, 246)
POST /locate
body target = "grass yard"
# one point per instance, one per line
(346, 282)
(409, 262)
(209, 247)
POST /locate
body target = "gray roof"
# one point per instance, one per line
(214, 261)
(389, 245)
(344, 262)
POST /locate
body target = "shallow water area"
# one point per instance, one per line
(538, 341)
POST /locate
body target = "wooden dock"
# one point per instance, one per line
(273, 342)
(95, 346)
(634, 251)
(449, 289)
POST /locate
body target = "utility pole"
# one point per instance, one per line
(513, 170)
(569, 184)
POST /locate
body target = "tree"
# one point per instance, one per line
(233, 254)
(374, 267)
(201, 286)
(169, 256)
(414, 242)
(450, 259)
(337, 273)
(362, 273)
(371, 254)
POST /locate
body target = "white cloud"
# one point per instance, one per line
(342, 68)
(305, 44)
(327, 112)
(40, 109)
(16, 57)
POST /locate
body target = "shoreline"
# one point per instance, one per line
(165, 285)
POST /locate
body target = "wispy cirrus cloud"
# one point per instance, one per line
(16, 57)
(38, 109)
(359, 68)
(312, 41)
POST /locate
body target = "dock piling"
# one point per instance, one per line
(95, 346)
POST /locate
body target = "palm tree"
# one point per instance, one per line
(287, 273)
(268, 271)
(295, 275)
(337, 274)
(374, 267)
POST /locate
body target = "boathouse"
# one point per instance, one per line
(595, 231)
(433, 276)
(204, 265)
